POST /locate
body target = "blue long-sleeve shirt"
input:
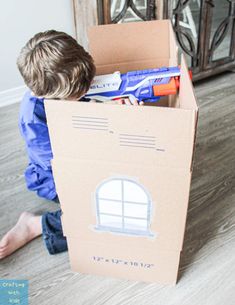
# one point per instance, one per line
(34, 130)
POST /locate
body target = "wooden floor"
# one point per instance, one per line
(207, 269)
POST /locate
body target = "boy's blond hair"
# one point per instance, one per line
(54, 65)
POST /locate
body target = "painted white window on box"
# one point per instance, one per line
(124, 206)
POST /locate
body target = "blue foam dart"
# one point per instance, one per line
(136, 85)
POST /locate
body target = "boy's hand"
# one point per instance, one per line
(126, 101)
(123, 101)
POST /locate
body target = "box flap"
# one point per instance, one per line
(187, 98)
(118, 43)
(186, 93)
(173, 61)
(133, 65)
(95, 131)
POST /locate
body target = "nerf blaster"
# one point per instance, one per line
(144, 85)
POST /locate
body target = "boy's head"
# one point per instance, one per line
(54, 65)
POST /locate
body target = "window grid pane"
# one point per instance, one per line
(113, 217)
(134, 224)
(126, 201)
(110, 214)
(121, 216)
(110, 207)
(134, 210)
(111, 221)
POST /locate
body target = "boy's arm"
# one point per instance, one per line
(38, 174)
(126, 101)
(38, 144)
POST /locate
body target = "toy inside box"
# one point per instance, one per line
(123, 173)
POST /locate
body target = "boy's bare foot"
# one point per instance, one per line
(27, 228)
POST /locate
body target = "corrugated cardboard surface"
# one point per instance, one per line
(131, 263)
(133, 46)
(150, 146)
(129, 42)
(78, 181)
(104, 129)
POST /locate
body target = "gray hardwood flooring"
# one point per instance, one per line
(207, 268)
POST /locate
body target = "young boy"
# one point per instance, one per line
(53, 65)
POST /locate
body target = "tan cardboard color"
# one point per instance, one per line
(167, 235)
(123, 173)
(133, 46)
(168, 133)
(129, 42)
(154, 266)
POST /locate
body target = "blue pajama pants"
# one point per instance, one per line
(52, 232)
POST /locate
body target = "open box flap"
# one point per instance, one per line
(173, 56)
(187, 98)
(186, 93)
(117, 43)
(127, 66)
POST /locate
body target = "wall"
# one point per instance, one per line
(19, 21)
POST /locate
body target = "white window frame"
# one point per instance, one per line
(123, 218)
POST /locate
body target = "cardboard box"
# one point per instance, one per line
(123, 173)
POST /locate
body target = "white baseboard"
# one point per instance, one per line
(11, 96)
